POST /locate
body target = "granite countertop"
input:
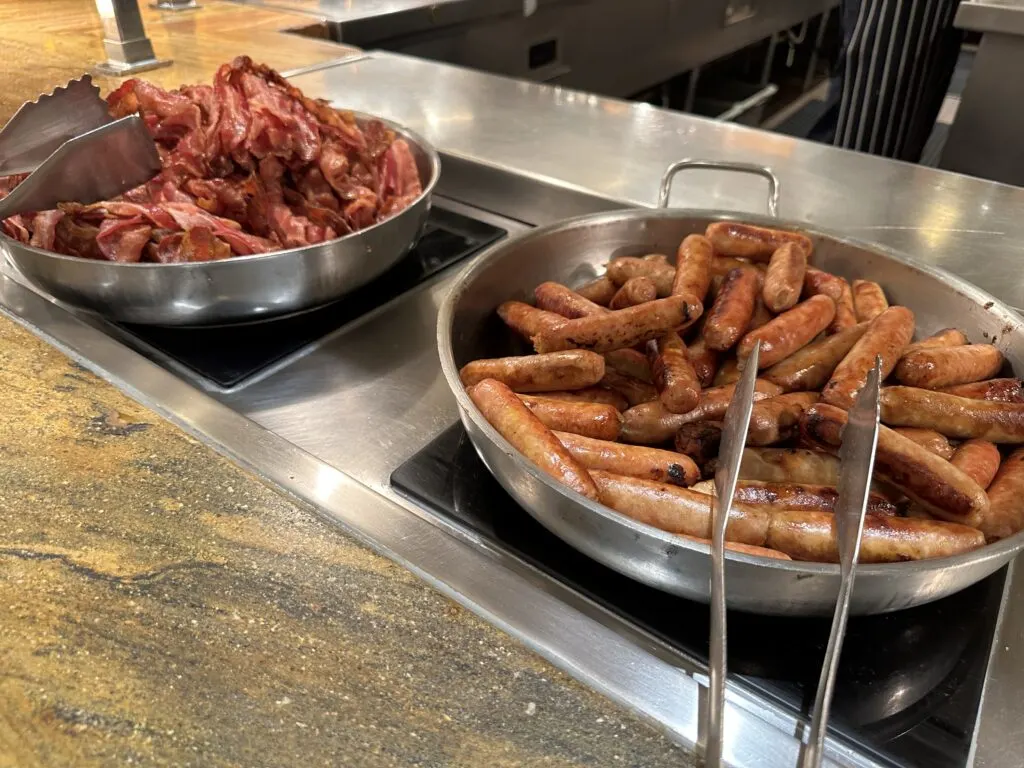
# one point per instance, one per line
(161, 606)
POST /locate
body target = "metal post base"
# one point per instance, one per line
(121, 68)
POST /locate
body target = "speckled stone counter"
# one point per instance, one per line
(161, 606)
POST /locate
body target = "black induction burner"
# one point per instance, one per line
(909, 684)
(228, 356)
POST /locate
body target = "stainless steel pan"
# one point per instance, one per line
(573, 252)
(237, 289)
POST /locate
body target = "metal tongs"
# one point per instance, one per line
(857, 457)
(73, 150)
(857, 460)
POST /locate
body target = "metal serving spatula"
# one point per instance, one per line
(97, 165)
(40, 126)
(857, 460)
(734, 437)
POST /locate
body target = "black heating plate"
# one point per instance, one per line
(909, 686)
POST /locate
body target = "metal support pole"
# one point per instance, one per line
(175, 5)
(124, 39)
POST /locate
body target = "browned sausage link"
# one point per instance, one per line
(784, 279)
(674, 377)
(949, 366)
(595, 420)
(636, 290)
(635, 390)
(953, 416)
(589, 395)
(789, 465)
(868, 300)
(789, 332)
(652, 423)
(811, 367)
(743, 549)
(947, 337)
(929, 439)
(761, 315)
(802, 496)
(836, 288)
(728, 373)
(526, 320)
(625, 328)
(516, 423)
(657, 258)
(775, 420)
(886, 336)
(996, 390)
(722, 265)
(699, 441)
(809, 535)
(693, 268)
(629, 362)
(729, 317)
(632, 460)
(704, 361)
(625, 267)
(538, 373)
(978, 459)
(599, 291)
(677, 510)
(1006, 515)
(745, 241)
(934, 483)
(555, 297)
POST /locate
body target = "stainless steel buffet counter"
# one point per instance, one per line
(332, 425)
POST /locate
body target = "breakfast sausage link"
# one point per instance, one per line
(929, 439)
(674, 377)
(677, 510)
(885, 337)
(595, 420)
(868, 300)
(629, 362)
(722, 265)
(811, 536)
(516, 423)
(789, 465)
(589, 395)
(636, 391)
(652, 423)
(1006, 514)
(699, 440)
(996, 390)
(776, 419)
(625, 267)
(556, 298)
(572, 369)
(784, 279)
(810, 367)
(624, 328)
(978, 459)
(693, 268)
(636, 290)
(818, 282)
(934, 483)
(949, 366)
(704, 361)
(728, 373)
(953, 416)
(730, 315)
(789, 332)
(947, 337)
(631, 460)
(745, 241)
(526, 320)
(823, 498)
(743, 549)
(599, 291)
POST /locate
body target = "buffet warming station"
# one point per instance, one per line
(347, 409)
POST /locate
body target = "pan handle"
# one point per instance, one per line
(721, 165)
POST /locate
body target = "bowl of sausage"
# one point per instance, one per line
(593, 361)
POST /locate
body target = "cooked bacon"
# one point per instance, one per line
(249, 165)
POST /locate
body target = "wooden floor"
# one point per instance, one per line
(44, 43)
